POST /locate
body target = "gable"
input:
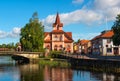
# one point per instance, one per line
(47, 36)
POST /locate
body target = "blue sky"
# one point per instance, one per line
(84, 18)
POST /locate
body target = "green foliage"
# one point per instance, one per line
(116, 30)
(32, 35)
(54, 63)
(10, 46)
(54, 54)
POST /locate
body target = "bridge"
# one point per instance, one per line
(22, 57)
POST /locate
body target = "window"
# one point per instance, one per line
(55, 47)
(48, 46)
(109, 50)
(109, 40)
(61, 38)
(60, 46)
(56, 38)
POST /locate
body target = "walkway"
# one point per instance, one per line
(83, 56)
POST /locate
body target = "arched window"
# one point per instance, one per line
(48, 46)
(60, 47)
(60, 37)
(68, 48)
(55, 47)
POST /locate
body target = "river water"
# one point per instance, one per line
(35, 72)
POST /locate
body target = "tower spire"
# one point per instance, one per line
(57, 21)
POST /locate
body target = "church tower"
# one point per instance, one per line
(57, 25)
(58, 39)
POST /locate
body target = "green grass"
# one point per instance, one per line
(54, 63)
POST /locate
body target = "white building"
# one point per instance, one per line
(103, 44)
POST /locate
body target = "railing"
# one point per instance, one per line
(16, 52)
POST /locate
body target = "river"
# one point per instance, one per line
(9, 71)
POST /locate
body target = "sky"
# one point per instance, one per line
(84, 18)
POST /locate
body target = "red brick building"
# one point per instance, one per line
(57, 39)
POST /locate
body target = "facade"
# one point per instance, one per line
(103, 44)
(76, 48)
(85, 46)
(57, 39)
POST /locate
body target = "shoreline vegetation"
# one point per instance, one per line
(53, 62)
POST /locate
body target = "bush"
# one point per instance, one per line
(54, 54)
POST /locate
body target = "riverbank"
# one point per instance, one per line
(52, 62)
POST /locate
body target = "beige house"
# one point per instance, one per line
(57, 39)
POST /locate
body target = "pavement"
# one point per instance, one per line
(90, 56)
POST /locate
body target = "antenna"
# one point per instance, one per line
(106, 23)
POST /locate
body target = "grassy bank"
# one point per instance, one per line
(54, 62)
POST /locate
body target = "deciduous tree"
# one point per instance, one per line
(32, 35)
(116, 30)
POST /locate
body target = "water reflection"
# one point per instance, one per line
(36, 72)
(45, 73)
(9, 73)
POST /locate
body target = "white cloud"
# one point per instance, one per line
(15, 32)
(77, 1)
(2, 34)
(95, 12)
(12, 34)
(108, 8)
(77, 16)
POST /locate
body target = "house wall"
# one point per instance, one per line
(58, 42)
(110, 46)
(71, 46)
(55, 28)
(46, 44)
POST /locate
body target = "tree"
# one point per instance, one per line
(116, 30)
(32, 35)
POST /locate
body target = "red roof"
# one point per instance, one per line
(47, 41)
(57, 31)
(69, 34)
(107, 34)
(68, 41)
(57, 21)
(82, 42)
(46, 33)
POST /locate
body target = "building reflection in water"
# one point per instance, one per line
(57, 74)
(105, 76)
(35, 72)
